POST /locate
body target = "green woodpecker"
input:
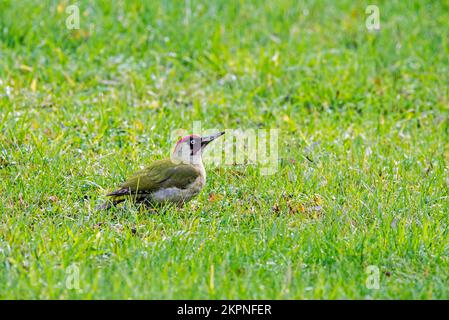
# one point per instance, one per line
(175, 180)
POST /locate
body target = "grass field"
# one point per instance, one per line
(362, 186)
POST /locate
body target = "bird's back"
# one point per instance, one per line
(162, 181)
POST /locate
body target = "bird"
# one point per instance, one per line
(176, 180)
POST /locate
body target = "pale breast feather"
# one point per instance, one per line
(174, 194)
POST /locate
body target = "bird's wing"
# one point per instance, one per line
(160, 174)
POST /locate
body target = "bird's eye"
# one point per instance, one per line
(192, 141)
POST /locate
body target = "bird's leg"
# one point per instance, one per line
(147, 205)
(180, 204)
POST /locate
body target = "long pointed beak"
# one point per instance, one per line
(205, 140)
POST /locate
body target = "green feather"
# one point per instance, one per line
(160, 174)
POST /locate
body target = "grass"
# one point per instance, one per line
(363, 149)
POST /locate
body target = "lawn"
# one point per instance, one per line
(357, 208)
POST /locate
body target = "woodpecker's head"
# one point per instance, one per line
(188, 149)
